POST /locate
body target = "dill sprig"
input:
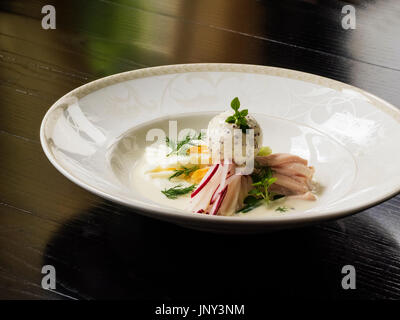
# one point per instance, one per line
(177, 146)
(180, 147)
(200, 136)
(282, 209)
(183, 171)
(170, 143)
(174, 192)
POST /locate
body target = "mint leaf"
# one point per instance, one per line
(235, 104)
(239, 117)
(242, 122)
(230, 119)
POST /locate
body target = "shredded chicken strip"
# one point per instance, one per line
(294, 177)
(277, 159)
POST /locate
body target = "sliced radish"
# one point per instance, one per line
(205, 180)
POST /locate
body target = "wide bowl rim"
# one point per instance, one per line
(180, 216)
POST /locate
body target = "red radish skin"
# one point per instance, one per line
(220, 199)
(205, 181)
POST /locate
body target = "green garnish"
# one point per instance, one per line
(264, 151)
(200, 136)
(174, 192)
(262, 181)
(239, 117)
(277, 196)
(170, 143)
(184, 170)
(251, 203)
(261, 189)
(177, 147)
(282, 209)
(180, 147)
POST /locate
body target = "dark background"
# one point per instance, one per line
(103, 250)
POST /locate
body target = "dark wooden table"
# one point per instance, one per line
(103, 250)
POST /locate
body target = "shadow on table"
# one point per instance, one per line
(103, 254)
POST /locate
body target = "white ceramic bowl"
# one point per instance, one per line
(350, 136)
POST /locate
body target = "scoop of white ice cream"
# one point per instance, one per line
(226, 141)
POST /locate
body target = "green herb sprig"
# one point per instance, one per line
(282, 209)
(178, 190)
(180, 147)
(183, 171)
(177, 147)
(239, 117)
(262, 181)
(250, 204)
(200, 136)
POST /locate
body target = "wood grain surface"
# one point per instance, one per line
(105, 251)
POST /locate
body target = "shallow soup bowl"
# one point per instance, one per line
(97, 133)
